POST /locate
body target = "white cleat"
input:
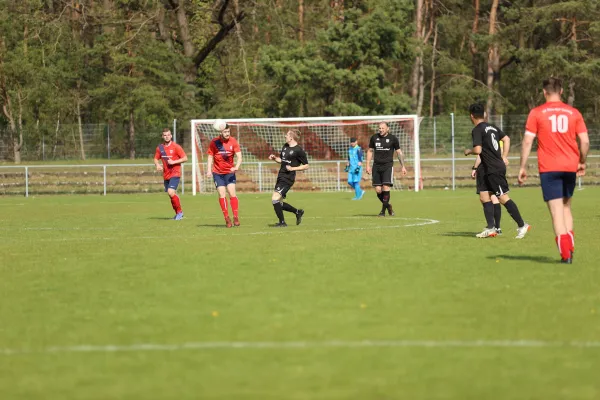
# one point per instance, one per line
(487, 233)
(521, 232)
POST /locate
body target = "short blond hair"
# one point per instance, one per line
(295, 134)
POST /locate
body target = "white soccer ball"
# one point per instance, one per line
(219, 125)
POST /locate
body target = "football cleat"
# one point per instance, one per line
(236, 221)
(487, 232)
(390, 210)
(499, 231)
(228, 223)
(381, 214)
(279, 225)
(178, 216)
(522, 231)
(299, 215)
(362, 193)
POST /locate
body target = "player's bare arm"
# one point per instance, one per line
(505, 149)
(401, 160)
(303, 167)
(159, 166)
(474, 150)
(179, 161)
(525, 151)
(209, 164)
(275, 158)
(584, 148)
(238, 156)
(475, 166)
(369, 158)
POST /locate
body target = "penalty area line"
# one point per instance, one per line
(344, 344)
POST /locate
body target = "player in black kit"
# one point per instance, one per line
(494, 161)
(384, 145)
(292, 158)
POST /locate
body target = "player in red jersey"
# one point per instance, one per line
(172, 156)
(557, 127)
(220, 166)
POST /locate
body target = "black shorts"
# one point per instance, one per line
(480, 182)
(383, 176)
(495, 183)
(282, 186)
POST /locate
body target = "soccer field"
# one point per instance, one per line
(107, 298)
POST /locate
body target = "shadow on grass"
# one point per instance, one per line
(370, 215)
(162, 218)
(212, 226)
(459, 234)
(538, 259)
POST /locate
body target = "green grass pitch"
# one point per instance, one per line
(106, 298)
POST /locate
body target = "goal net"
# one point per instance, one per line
(326, 141)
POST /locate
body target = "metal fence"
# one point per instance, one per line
(110, 142)
(256, 177)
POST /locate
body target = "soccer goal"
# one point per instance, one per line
(326, 141)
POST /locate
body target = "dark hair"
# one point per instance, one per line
(552, 85)
(477, 110)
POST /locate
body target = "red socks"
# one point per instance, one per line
(566, 245)
(176, 204)
(234, 206)
(223, 204)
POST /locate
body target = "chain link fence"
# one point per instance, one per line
(110, 142)
(94, 141)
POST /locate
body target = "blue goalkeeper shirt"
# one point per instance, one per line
(355, 155)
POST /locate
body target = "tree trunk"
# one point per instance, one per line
(301, 21)
(131, 136)
(418, 65)
(184, 30)
(493, 58)
(432, 88)
(165, 33)
(472, 46)
(79, 125)
(56, 136)
(571, 98)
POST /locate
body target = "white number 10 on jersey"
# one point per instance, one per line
(560, 123)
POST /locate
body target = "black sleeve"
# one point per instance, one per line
(396, 143)
(501, 134)
(477, 137)
(302, 157)
(372, 142)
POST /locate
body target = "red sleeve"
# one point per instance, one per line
(157, 155)
(236, 147)
(532, 124)
(212, 149)
(180, 151)
(580, 127)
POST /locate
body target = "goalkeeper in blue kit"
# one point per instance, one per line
(354, 168)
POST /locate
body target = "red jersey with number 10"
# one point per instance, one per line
(556, 126)
(223, 152)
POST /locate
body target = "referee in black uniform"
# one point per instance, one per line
(384, 145)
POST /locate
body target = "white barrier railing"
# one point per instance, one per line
(324, 175)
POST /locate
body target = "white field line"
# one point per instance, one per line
(344, 344)
(273, 231)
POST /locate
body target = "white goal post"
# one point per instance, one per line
(325, 139)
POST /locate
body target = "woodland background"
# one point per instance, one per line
(135, 65)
